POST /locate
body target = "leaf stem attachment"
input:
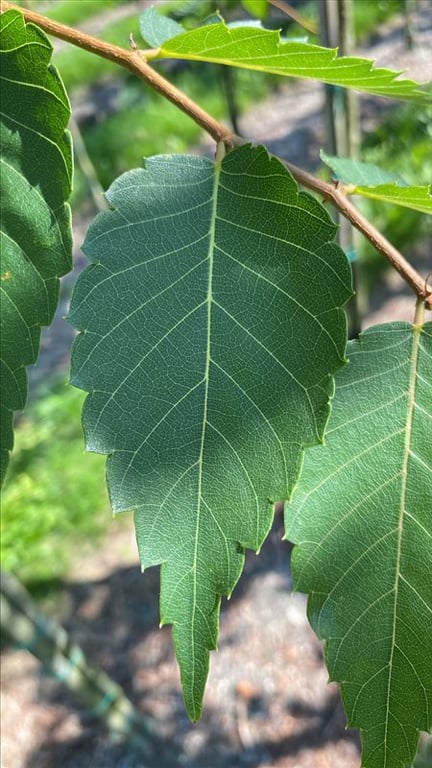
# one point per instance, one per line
(419, 313)
(220, 151)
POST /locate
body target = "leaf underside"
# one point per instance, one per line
(261, 49)
(371, 181)
(36, 175)
(415, 198)
(362, 521)
(210, 326)
(156, 28)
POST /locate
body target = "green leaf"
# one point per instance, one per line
(354, 172)
(370, 181)
(210, 325)
(261, 49)
(155, 28)
(416, 198)
(362, 520)
(36, 175)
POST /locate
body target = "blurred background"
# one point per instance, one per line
(268, 704)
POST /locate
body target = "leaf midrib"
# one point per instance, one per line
(213, 217)
(324, 73)
(407, 447)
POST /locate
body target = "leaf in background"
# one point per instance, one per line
(354, 172)
(257, 8)
(36, 176)
(210, 326)
(362, 521)
(261, 49)
(416, 198)
(368, 180)
(155, 28)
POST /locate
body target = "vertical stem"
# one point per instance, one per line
(419, 313)
(228, 78)
(341, 109)
(25, 625)
(347, 45)
(409, 34)
(87, 167)
(350, 146)
(328, 38)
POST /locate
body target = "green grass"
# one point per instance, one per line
(54, 499)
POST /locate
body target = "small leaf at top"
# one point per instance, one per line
(210, 328)
(362, 521)
(36, 177)
(354, 172)
(371, 181)
(262, 50)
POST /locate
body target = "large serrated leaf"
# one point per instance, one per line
(36, 175)
(211, 325)
(262, 50)
(362, 519)
(369, 180)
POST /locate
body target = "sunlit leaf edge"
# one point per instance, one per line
(293, 59)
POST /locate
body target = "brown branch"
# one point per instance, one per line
(133, 61)
(285, 7)
(335, 195)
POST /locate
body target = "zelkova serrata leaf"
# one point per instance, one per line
(36, 178)
(262, 50)
(362, 520)
(369, 180)
(210, 326)
(415, 198)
